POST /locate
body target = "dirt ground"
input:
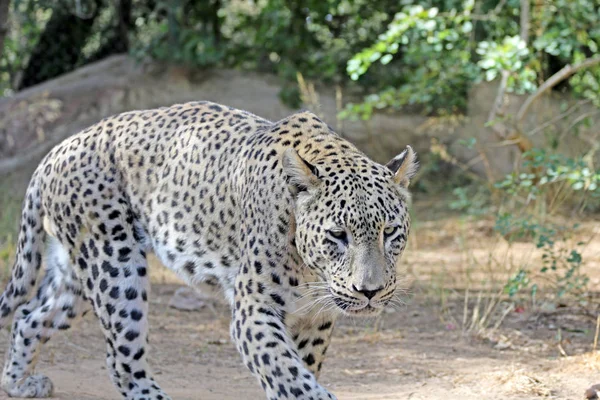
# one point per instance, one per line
(419, 351)
(408, 354)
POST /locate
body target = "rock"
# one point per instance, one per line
(592, 392)
(119, 83)
(503, 344)
(187, 299)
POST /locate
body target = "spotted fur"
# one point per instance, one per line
(293, 223)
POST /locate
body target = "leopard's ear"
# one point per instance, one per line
(404, 166)
(301, 175)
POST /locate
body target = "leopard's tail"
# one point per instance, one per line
(28, 259)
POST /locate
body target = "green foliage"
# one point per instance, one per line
(315, 38)
(472, 200)
(551, 183)
(436, 55)
(47, 38)
(11, 201)
(570, 32)
(444, 47)
(561, 260)
(517, 283)
(510, 55)
(409, 53)
(552, 179)
(27, 21)
(187, 48)
(522, 203)
(180, 32)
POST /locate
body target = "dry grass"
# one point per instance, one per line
(520, 381)
(462, 259)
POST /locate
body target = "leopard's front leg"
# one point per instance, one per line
(268, 350)
(312, 336)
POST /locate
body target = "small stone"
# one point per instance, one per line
(592, 392)
(186, 299)
(218, 342)
(502, 345)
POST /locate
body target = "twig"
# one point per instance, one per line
(569, 111)
(493, 302)
(588, 158)
(440, 150)
(508, 309)
(524, 20)
(555, 198)
(492, 15)
(339, 104)
(596, 335)
(77, 347)
(496, 108)
(473, 161)
(578, 120)
(559, 344)
(308, 95)
(466, 309)
(488, 168)
(78, 12)
(508, 142)
(562, 351)
(555, 79)
(475, 316)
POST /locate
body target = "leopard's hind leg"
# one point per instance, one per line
(117, 283)
(56, 304)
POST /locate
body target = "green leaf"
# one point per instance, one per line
(386, 59)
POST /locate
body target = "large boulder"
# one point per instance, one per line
(33, 121)
(36, 119)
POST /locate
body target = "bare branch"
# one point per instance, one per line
(499, 129)
(554, 120)
(524, 20)
(4, 11)
(578, 120)
(492, 15)
(555, 79)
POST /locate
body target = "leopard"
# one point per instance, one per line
(288, 220)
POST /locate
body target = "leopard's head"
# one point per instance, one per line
(352, 224)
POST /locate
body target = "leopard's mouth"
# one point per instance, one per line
(366, 311)
(361, 310)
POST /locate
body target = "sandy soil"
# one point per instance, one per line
(419, 351)
(407, 354)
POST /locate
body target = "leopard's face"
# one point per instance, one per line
(352, 224)
(353, 244)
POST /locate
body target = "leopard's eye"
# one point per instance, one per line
(339, 235)
(390, 231)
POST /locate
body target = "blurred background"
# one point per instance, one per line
(500, 98)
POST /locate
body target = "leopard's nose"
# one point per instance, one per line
(369, 294)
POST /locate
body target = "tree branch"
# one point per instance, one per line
(554, 120)
(555, 79)
(4, 11)
(524, 20)
(576, 121)
(490, 16)
(502, 130)
(499, 130)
